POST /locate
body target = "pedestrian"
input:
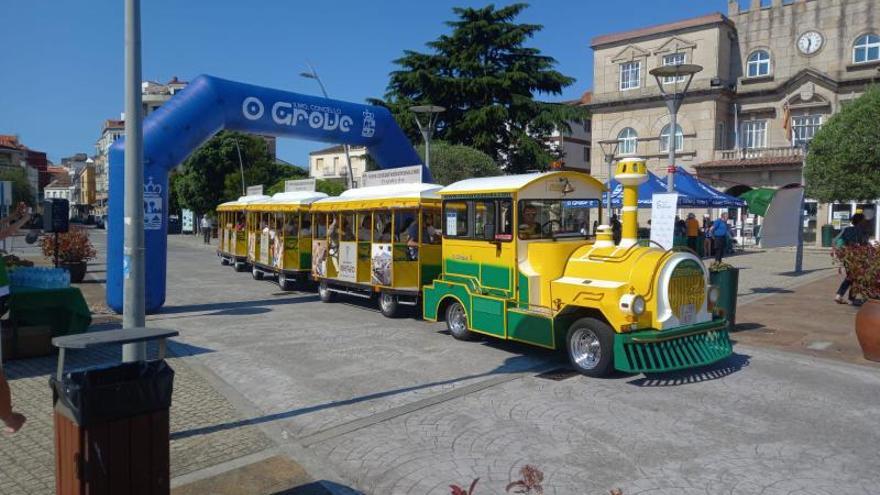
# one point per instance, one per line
(206, 229)
(854, 235)
(719, 230)
(707, 236)
(12, 421)
(693, 231)
(616, 230)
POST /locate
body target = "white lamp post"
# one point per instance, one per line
(427, 130)
(313, 74)
(673, 103)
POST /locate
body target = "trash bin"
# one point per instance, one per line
(827, 235)
(112, 429)
(727, 281)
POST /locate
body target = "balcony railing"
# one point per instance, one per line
(744, 154)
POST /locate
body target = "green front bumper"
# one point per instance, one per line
(669, 350)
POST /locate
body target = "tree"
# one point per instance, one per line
(454, 162)
(21, 188)
(487, 80)
(211, 175)
(843, 161)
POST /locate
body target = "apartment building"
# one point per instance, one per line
(330, 163)
(773, 72)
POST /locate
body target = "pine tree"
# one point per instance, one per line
(487, 79)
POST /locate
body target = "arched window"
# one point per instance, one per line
(664, 138)
(627, 140)
(758, 64)
(866, 48)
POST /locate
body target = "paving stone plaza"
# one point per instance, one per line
(367, 404)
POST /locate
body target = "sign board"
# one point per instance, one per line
(401, 175)
(663, 211)
(187, 222)
(299, 185)
(781, 224)
(255, 190)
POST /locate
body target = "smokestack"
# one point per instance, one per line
(631, 172)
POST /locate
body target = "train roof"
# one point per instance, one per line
(510, 183)
(241, 202)
(392, 195)
(287, 201)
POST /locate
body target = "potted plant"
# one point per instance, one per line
(862, 266)
(726, 278)
(73, 251)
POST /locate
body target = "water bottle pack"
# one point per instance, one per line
(40, 277)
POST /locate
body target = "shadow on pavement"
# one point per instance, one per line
(715, 371)
(226, 306)
(767, 290)
(744, 327)
(804, 272)
(515, 364)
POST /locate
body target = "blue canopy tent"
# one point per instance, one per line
(647, 190)
(704, 194)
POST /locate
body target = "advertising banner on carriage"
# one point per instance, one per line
(265, 243)
(380, 262)
(277, 251)
(298, 185)
(348, 261)
(399, 175)
(319, 258)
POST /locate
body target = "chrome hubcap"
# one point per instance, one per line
(386, 301)
(585, 348)
(322, 289)
(457, 319)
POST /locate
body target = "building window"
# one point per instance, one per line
(758, 64)
(587, 155)
(754, 134)
(803, 128)
(627, 140)
(664, 138)
(630, 75)
(587, 125)
(673, 59)
(866, 48)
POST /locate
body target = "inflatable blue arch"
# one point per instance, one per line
(206, 106)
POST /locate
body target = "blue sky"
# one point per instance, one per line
(62, 70)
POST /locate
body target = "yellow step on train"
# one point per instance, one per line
(517, 260)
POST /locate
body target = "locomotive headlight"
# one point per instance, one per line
(633, 304)
(713, 294)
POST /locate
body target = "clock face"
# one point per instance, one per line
(809, 42)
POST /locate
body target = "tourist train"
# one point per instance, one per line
(512, 257)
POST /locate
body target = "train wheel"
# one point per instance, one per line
(388, 304)
(285, 282)
(324, 292)
(590, 346)
(240, 266)
(257, 273)
(456, 322)
(224, 261)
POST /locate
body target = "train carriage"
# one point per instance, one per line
(232, 233)
(279, 242)
(378, 240)
(520, 262)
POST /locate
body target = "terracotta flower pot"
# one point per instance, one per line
(868, 329)
(77, 270)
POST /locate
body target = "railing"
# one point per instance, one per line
(742, 154)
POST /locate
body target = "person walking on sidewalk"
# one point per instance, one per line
(693, 231)
(719, 230)
(206, 229)
(854, 235)
(12, 421)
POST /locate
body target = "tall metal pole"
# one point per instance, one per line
(610, 160)
(133, 303)
(673, 125)
(241, 168)
(799, 251)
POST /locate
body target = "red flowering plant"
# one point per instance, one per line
(532, 478)
(862, 267)
(73, 246)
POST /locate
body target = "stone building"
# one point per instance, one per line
(773, 72)
(330, 163)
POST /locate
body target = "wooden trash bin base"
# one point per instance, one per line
(125, 456)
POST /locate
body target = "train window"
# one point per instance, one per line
(430, 226)
(291, 225)
(348, 224)
(320, 225)
(363, 231)
(484, 213)
(455, 214)
(306, 228)
(406, 226)
(382, 226)
(333, 228)
(553, 218)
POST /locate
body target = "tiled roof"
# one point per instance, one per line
(114, 124)
(335, 149)
(751, 162)
(585, 99)
(704, 20)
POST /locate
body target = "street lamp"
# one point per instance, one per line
(609, 150)
(673, 103)
(313, 74)
(240, 167)
(427, 130)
